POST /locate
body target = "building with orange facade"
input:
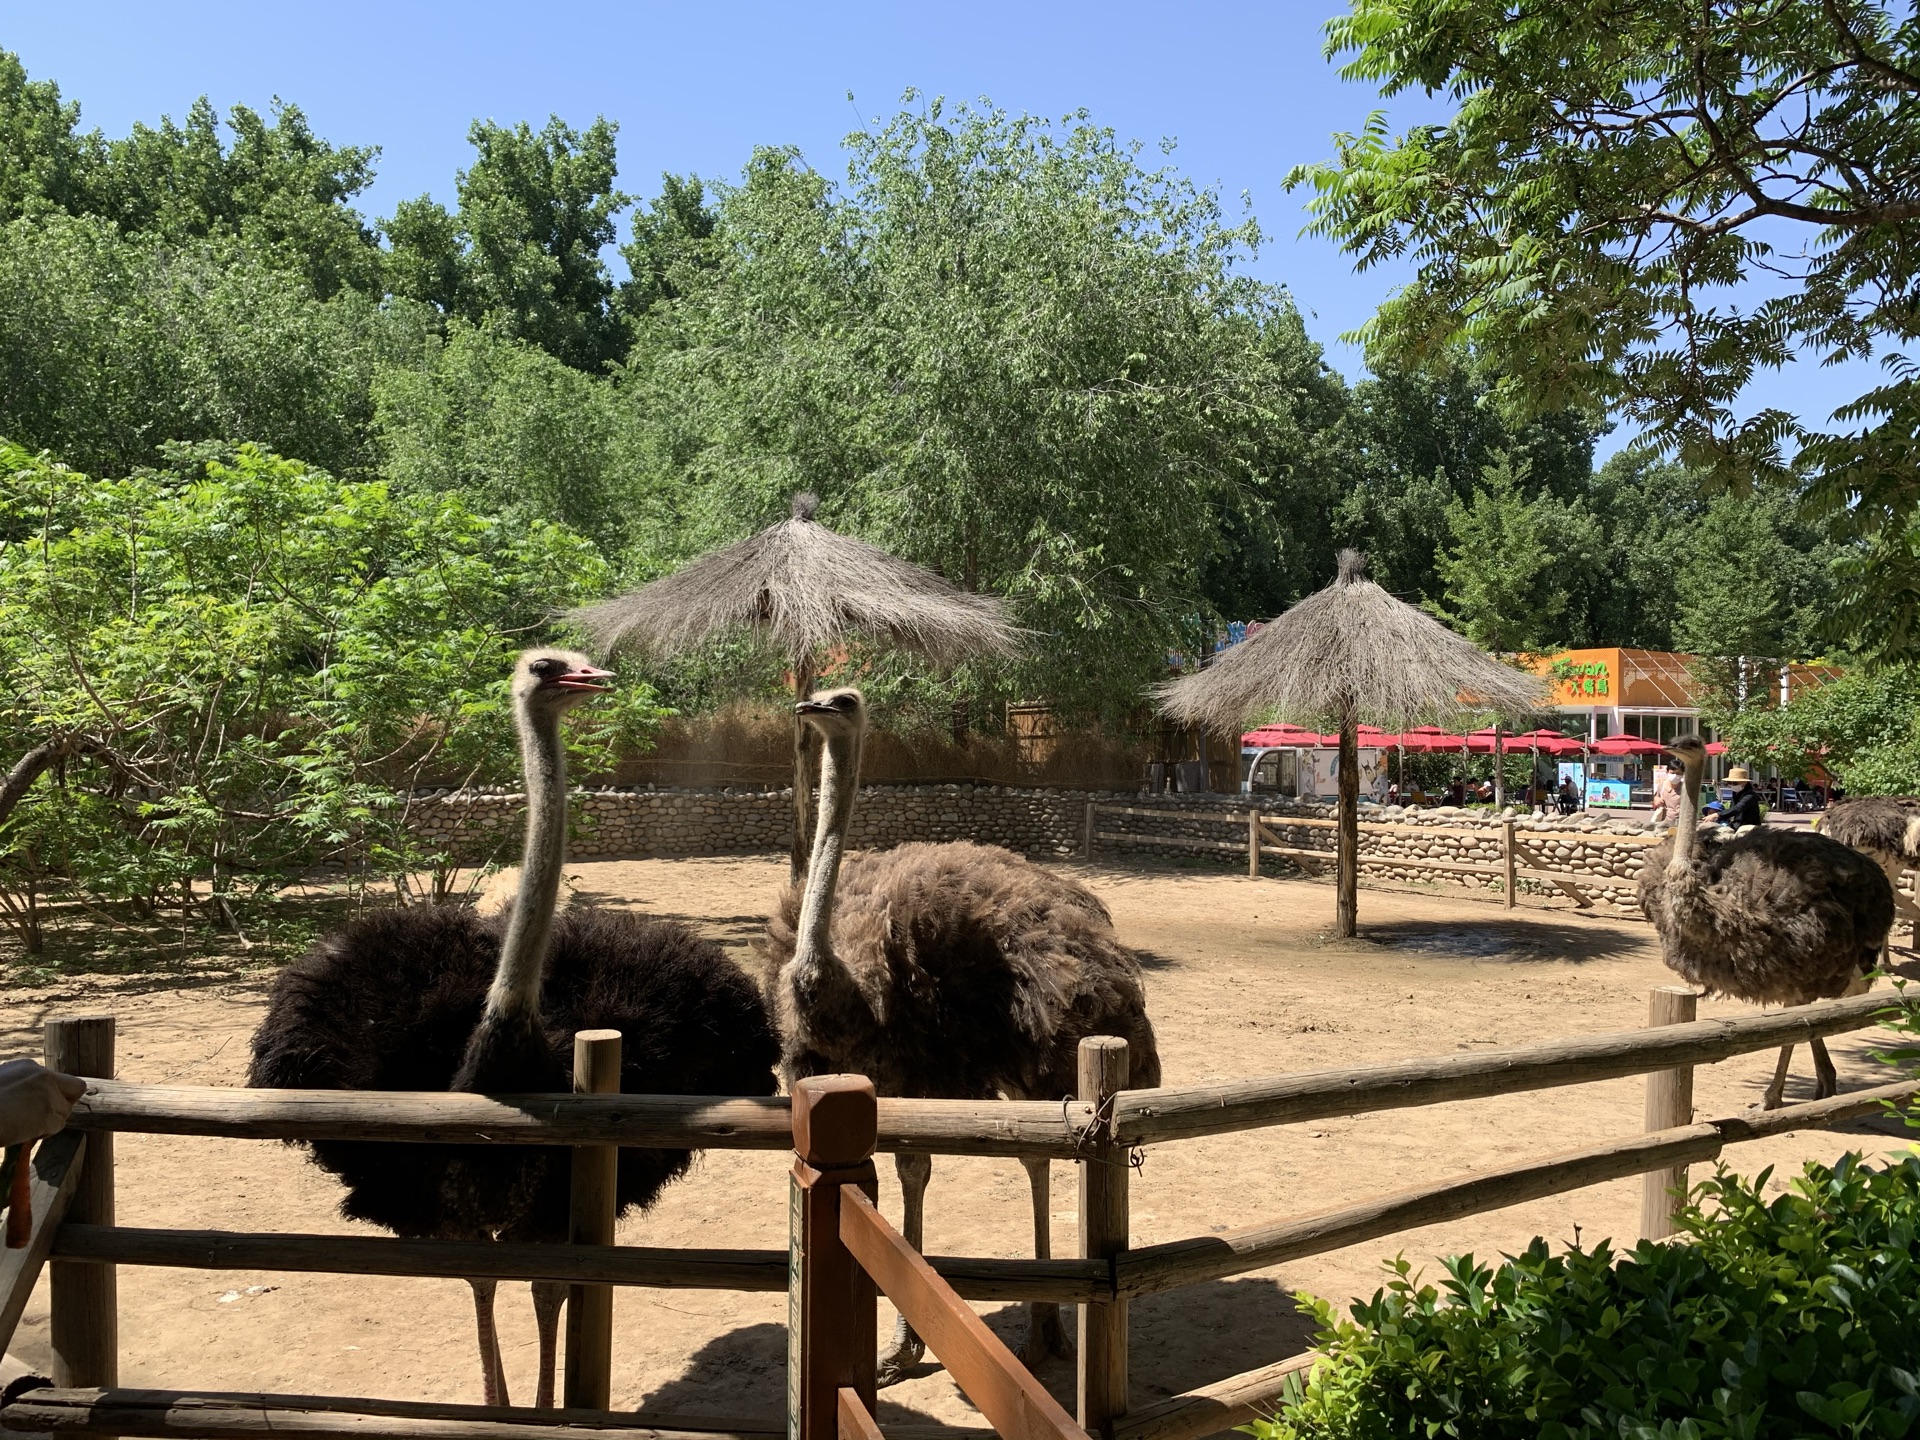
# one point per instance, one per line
(1612, 690)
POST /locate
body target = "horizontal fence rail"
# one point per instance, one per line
(1147, 1116)
(1096, 1128)
(976, 1278)
(700, 1122)
(1178, 1263)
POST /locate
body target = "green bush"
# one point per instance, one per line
(1792, 1317)
(269, 661)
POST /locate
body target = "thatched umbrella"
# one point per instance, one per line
(1348, 654)
(802, 588)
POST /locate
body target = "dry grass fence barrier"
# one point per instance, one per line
(1519, 859)
(73, 1226)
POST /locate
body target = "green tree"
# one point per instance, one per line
(277, 187)
(1501, 573)
(1756, 583)
(674, 241)
(1417, 442)
(267, 661)
(1610, 173)
(112, 345)
(512, 429)
(1005, 348)
(524, 250)
(1863, 726)
(44, 162)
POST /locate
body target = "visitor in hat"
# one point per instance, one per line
(1744, 808)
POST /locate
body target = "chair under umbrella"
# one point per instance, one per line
(1347, 655)
(802, 588)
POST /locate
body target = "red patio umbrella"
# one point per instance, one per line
(1482, 742)
(1430, 738)
(1628, 745)
(1282, 735)
(1716, 747)
(1547, 742)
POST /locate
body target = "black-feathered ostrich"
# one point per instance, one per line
(1773, 916)
(953, 971)
(438, 998)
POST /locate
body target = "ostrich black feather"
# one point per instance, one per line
(392, 1000)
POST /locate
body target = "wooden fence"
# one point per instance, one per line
(1519, 854)
(74, 1232)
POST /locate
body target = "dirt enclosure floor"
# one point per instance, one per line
(1242, 980)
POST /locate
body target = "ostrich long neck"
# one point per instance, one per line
(1686, 830)
(523, 954)
(839, 784)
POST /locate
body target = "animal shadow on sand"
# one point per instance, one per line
(1178, 1340)
(735, 934)
(1505, 941)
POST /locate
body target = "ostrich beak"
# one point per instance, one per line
(812, 707)
(584, 677)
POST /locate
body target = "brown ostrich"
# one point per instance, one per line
(1772, 916)
(954, 971)
(1884, 828)
(438, 998)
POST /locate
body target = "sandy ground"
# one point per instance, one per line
(1242, 980)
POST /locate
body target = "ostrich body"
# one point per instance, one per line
(954, 971)
(1884, 828)
(1770, 916)
(439, 998)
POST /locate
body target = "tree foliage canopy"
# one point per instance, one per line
(524, 250)
(1611, 174)
(1005, 348)
(269, 659)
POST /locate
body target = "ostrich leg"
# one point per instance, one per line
(1778, 1089)
(1045, 1335)
(548, 1297)
(907, 1348)
(1826, 1077)
(493, 1376)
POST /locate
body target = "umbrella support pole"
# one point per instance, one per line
(1347, 863)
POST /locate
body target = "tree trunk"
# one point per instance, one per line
(1347, 864)
(803, 678)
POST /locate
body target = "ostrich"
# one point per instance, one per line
(957, 971)
(1770, 916)
(1884, 828)
(439, 998)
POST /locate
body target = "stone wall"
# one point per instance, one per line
(481, 825)
(1606, 853)
(657, 821)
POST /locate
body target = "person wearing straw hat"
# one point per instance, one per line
(1744, 808)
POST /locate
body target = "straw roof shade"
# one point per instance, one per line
(1345, 655)
(802, 588)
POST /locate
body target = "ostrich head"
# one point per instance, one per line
(1690, 752)
(551, 682)
(835, 714)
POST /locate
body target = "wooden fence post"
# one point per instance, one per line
(830, 1300)
(1506, 857)
(1253, 844)
(1669, 1103)
(589, 1381)
(1086, 844)
(84, 1299)
(1105, 1231)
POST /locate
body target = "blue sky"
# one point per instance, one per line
(1243, 89)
